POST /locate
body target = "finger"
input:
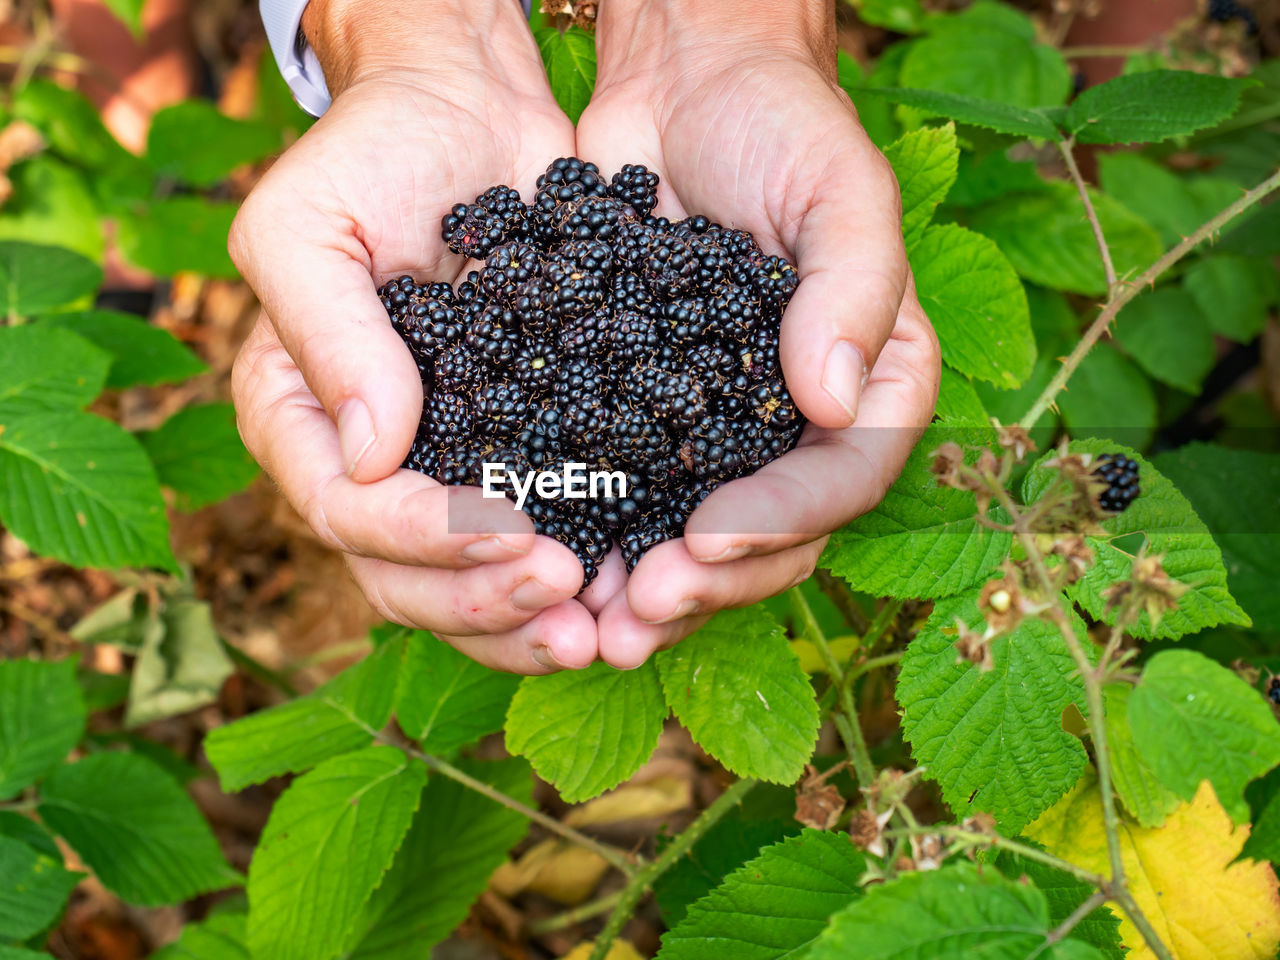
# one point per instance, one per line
(562, 637)
(609, 582)
(833, 476)
(853, 272)
(313, 276)
(626, 641)
(406, 518)
(669, 585)
(486, 599)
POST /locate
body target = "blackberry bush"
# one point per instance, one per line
(597, 333)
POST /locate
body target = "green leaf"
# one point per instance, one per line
(199, 455)
(18, 826)
(1243, 524)
(992, 740)
(41, 718)
(1108, 397)
(1263, 843)
(53, 203)
(135, 828)
(1153, 192)
(1049, 241)
(43, 370)
(297, 735)
(458, 838)
(988, 53)
(1234, 292)
(1194, 720)
(976, 303)
(717, 853)
(922, 540)
(1152, 106)
(195, 143)
(959, 403)
(775, 905)
(587, 730)
(70, 124)
(1171, 529)
(1167, 334)
(178, 235)
(220, 937)
(35, 278)
(1063, 894)
(33, 890)
(925, 163)
(330, 840)
(958, 913)
(983, 177)
(738, 687)
(129, 12)
(570, 60)
(900, 16)
(989, 114)
(140, 353)
(1138, 786)
(445, 700)
(17, 953)
(181, 664)
(77, 487)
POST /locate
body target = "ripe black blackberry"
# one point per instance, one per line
(636, 186)
(599, 333)
(1121, 475)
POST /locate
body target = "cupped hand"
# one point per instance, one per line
(327, 395)
(742, 117)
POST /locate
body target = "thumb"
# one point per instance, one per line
(316, 287)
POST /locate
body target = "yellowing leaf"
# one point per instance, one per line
(636, 801)
(621, 950)
(811, 660)
(557, 869)
(1201, 904)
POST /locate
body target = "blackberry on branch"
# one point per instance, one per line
(597, 332)
(1121, 475)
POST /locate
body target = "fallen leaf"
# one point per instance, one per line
(557, 869)
(657, 798)
(621, 950)
(1181, 873)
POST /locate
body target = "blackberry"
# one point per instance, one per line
(598, 333)
(535, 366)
(508, 268)
(635, 186)
(1121, 475)
(471, 230)
(588, 218)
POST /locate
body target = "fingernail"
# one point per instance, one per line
(533, 594)
(843, 375)
(732, 552)
(355, 432)
(543, 657)
(684, 608)
(489, 550)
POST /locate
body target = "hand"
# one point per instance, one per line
(742, 117)
(425, 111)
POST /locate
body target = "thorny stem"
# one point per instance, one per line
(881, 624)
(1101, 50)
(642, 882)
(570, 917)
(850, 731)
(976, 839)
(839, 593)
(1126, 291)
(609, 854)
(1068, 154)
(1097, 899)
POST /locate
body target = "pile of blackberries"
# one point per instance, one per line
(597, 333)
(1121, 475)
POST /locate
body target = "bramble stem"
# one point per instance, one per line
(1097, 899)
(850, 731)
(611, 855)
(1101, 50)
(974, 838)
(642, 882)
(1127, 290)
(1066, 148)
(842, 596)
(881, 624)
(569, 917)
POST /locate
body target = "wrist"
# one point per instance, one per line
(355, 40)
(634, 35)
